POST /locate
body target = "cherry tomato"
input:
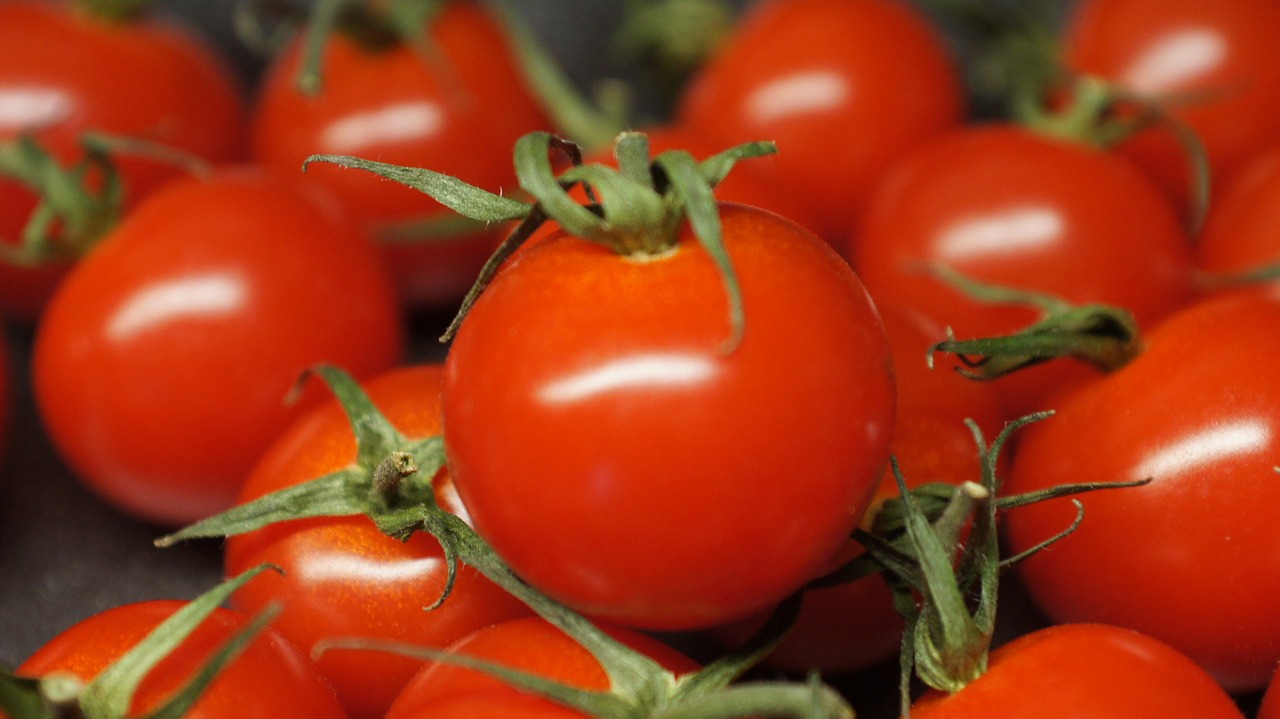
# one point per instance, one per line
(1003, 205)
(625, 462)
(161, 366)
(1213, 64)
(1270, 708)
(270, 680)
(1081, 670)
(457, 111)
(65, 72)
(342, 576)
(843, 86)
(1192, 558)
(1242, 230)
(532, 645)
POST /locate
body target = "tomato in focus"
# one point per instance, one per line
(1192, 558)
(65, 72)
(161, 367)
(271, 679)
(627, 463)
(457, 111)
(844, 87)
(345, 578)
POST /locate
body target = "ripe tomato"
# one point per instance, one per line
(532, 645)
(1192, 558)
(634, 468)
(1006, 206)
(65, 71)
(270, 680)
(161, 366)
(1242, 230)
(1270, 708)
(342, 576)
(1081, 670)
(1214, 63)
(843, 86)
(851, 626)
(458, 111)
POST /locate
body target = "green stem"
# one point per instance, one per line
(763, 699)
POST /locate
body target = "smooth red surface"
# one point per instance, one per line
(844, 87)
(615, 412)
(531, 645)
(345, 578)
(64, 73)
(1079, 670)
(161, 366)
(1214, 63)
(1192, 558)
(457, 111)
(271, 679)
(1002, 205)
(1242, 231)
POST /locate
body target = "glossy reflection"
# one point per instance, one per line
(798, 94)
(184, 297)
(384, 125)
(1016, 230)
(1176, 59)
(651, 372)
(24, 108)
(337, 567)
(1206, 448)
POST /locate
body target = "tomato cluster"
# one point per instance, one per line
(707, 431)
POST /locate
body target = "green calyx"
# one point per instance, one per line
(637, 209)
(76, 206)
(113, 10)
(1106, 337)
(110, 694)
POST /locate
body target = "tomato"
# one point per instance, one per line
(1270, 708)
(270, 680)
(622, 460)
(161, 366)
(851, 626)
(1192, 558)
(532, 645)
(1081, 670)
(457, 111)
(342, 576)
(65, 72)
(1213, 63)
(1240, 231)
(843, 86)
(1003, 205)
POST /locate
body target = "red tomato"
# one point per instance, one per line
(1192, 558)
(342, 576)
(1215, 63)
(1080, 670)
(64, 72)
(161, 366)
(1003, 205)
(623, 461)
(1270, 708)
(458, 111)
(843, 86)
(1242, 230)
(532, 645)
(270, 680)
(848, 627)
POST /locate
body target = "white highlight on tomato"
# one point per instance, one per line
(1020, 228)
(1177, 59)
(156, 305)
(651, 372)
(395, 123)
(32, 108)
(1206, 448)
(797, 95)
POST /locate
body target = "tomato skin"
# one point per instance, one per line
(843, 86)
(270, 680)
(1082, 670)
(532, 645)
(1240, 232)
(1270, 708)
(1003, 205)
(342, 576)
(1197, 413)
(460, 117)
(1220, 54)
(64, 73)
(627, 418)
(161, 366)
